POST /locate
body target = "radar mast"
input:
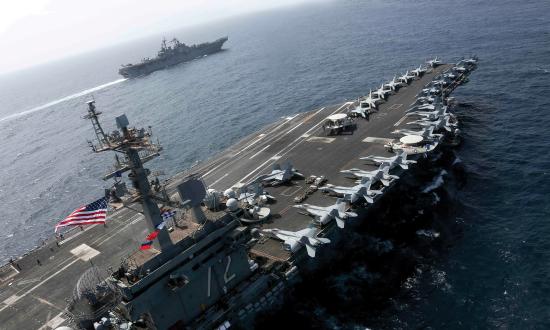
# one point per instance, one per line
(137, 147)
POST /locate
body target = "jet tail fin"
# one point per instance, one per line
(310, 250)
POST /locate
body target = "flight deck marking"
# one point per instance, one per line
(84, 252)
(29, 281)
(53, 323)
(400, 121)
(13, 299)
(395, 106)
(223, 176)
(287, 192)
(320, 139)
(138, 217)
(283, 211)
(290, 144)
(45, 302)
(263, 149)
(295, 127)
(226, 161)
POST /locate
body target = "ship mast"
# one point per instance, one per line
(137, 148)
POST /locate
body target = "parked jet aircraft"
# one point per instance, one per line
(435, 62)
(427, 133)
(382, 174)
(382, 93)
(400, 159)
(294, 240)
(253, 194)
(362, 109)
(393, 84)
(418, 72)
(406, 78)
(441, 123)
(372, 101)
(279, 174)
(431, 115)
(325, 214)
(355, 193)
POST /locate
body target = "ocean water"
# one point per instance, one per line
(486, 263)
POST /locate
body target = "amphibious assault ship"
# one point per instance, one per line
(168, 56)
(241, 226)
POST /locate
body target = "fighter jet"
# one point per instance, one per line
(393, 84)
(294, 240)
(372, 101)
(361, 110)
(382, 174)
(449, 75)
(431, 91)
(406, 78)
(279, 175)
(459, 69)
(418, 72)
(400, 159)
(431, 115)
(382, 93)
(325, 214)
(435, 62)
(425, 100)
(427, 133)
(439, 83)
(439, 124)
(355, 193)
(422, 107)
(254, 194)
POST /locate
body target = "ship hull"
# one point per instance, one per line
(137, 70)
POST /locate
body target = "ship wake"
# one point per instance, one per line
(61, 100)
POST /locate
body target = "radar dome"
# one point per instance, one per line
(232, 204)
(229, 193)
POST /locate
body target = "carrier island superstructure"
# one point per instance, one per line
(247, 222)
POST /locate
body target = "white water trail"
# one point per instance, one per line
(61, 100)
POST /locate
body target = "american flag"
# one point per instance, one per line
(93, 213)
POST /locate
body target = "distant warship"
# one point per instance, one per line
(171, 55)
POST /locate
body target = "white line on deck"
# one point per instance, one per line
(137, 217)
(293, 128)
(13, 299)
(250, 145)
(400, 121)
(263, 149)
(279, 154)
(223, 176)
(53, 323)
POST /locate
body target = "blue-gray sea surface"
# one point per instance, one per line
(494, 271)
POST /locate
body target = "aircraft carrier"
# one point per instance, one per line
(224, 256)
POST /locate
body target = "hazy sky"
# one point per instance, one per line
(36, 31)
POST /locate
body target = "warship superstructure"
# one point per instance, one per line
(242, 226)
(170, 55)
